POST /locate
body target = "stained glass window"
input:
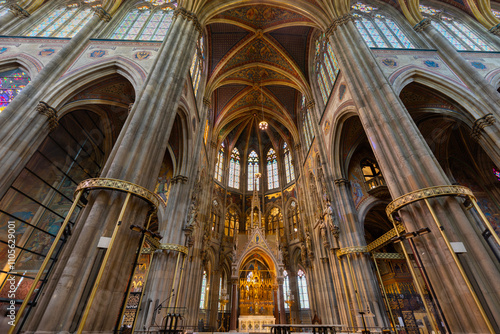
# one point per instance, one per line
(253, 169)
(497, 174)
(144, 24)
(203, 290)
(234, 169)
(232, 222)
(307, 129)
(293, 219)
(197, 65)
(62, 22)
(496, 13)
(457, 33)
(11, 83)
(3, 10)
(272, 170)
(220, 163)
(289, 171)
(326, 67)
(378, 30)
(286, 288)
(302, 283)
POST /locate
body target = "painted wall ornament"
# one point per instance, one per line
(478, 65)
(46, 52)
(142, 55)
(389, 62)
(3, 49)
(341, 91)
(431, 63)
(97, 54)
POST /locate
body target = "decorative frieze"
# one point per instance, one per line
(44, 109)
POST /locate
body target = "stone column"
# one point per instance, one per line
(8, 19)
(281, 298)
(23, 126)
(137, 158)
(362, 289)
(408, 164)
(276, 308)
(234, 304)
(482, 89)
(294, 290)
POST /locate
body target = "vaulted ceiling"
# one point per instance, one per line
(258, 60)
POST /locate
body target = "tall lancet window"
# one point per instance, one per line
(197, 65)
(234, 169)
(289, 171)
(146, 22)
(220, 163)
(203, 296)
(272, 170)
(286, 289)
(326, 66)
(253, 168)
(379, 31)
(303, 295)
(64, 21)
(307, 129)
(461, 36)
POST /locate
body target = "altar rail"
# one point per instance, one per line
(324, 329)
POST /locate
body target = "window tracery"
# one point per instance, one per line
(293, 219)
(197, 65)
(146, 22)
(65, 21)
(203, 290)
(377, 30)
(326, 66)
(253, 169)
(220, 163)
(457, 33)
(275, 222)
(234, 169)
(286, 288)
(232, 222)
(272, 170)
(11, 84)
(307, 128)
(289, 171)
(303, 295)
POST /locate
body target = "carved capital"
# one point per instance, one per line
(190, 16)
(310, 104)
(496, 30)
(179, 178)
(102, 14)
(339, 21)
(44, 109)
(206, 101)
(420, 26)
(480, 124)
(340, 182)
(17, 10)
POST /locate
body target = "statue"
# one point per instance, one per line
(324, 237)
(329, 217)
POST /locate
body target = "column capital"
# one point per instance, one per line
(190, 16)
(495, 30)
(310, 104)
(179, 178)
(341, 181)
(337, 22)
(17, 10)
(102, 14)
(206, 101)
(480, 124)
(420, 26)
(44, 109)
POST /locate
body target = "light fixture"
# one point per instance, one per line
(263, 124)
